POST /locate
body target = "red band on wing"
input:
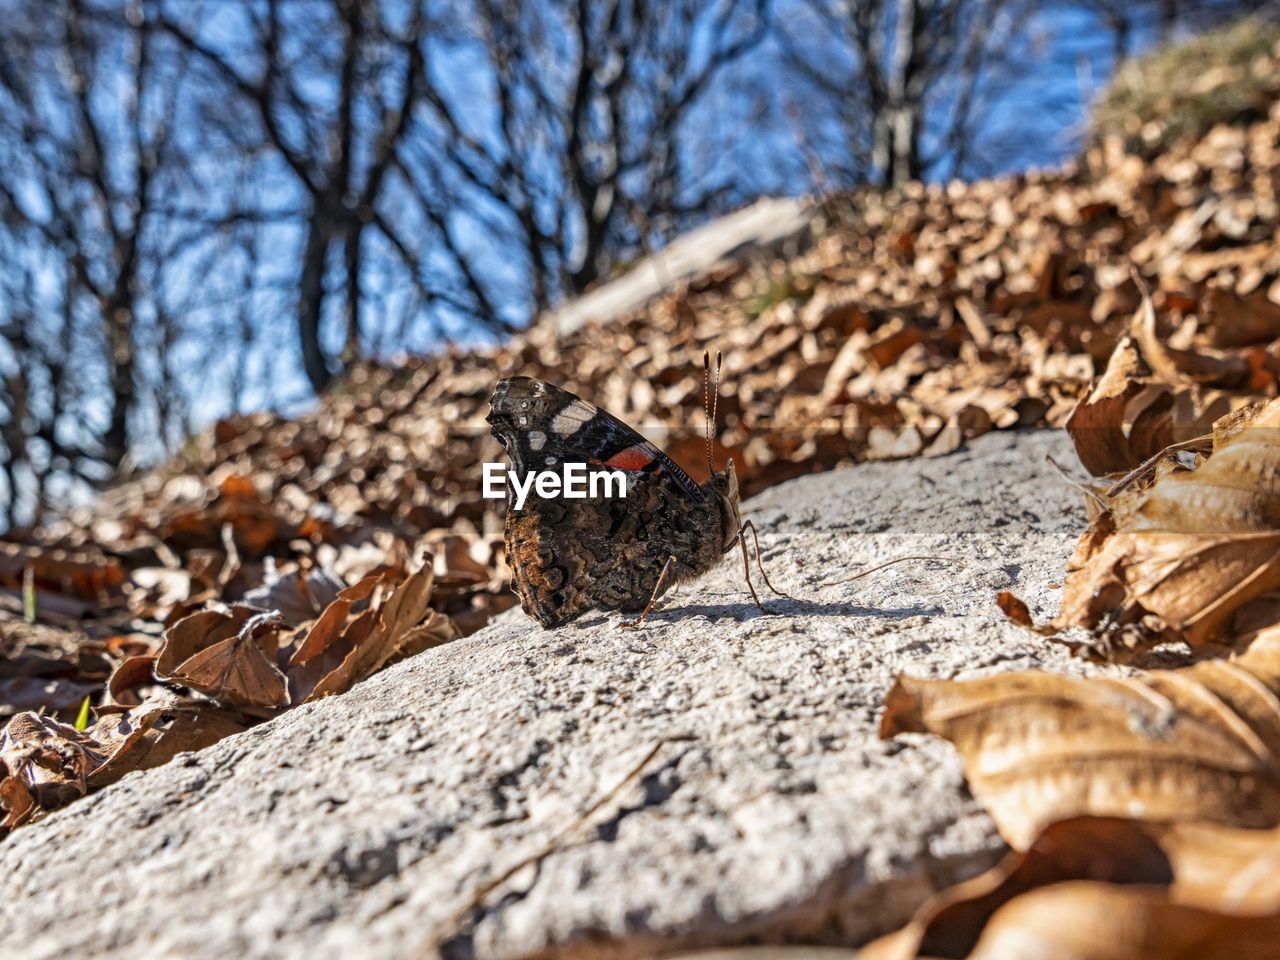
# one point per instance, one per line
(632, 458)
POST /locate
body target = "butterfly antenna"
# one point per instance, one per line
(706, 403)
(715, 393)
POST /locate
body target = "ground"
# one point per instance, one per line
(439, 805)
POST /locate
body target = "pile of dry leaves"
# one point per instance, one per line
(216, 672)
(908, 323)
(1144, 811)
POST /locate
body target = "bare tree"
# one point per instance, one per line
(86, 113)
(588, 153)
(901, 90)
(492, 156)
(338, 144)
(903, 78)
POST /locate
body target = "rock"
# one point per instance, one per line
(757, 228)
(711, 778)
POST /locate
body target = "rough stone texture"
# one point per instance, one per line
(764, 224)
(367, 824)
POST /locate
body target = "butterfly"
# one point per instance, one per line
(568, 556)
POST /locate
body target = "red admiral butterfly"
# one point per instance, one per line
(569, 556)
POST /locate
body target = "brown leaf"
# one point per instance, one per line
(1103, 849)
(236, 670)
(390, 626)
(1096, 425)
(299, 597)
(1204, 867)
(16, 801)
(154, 732)
(50, 763)
(197, 632)
(1082, 920)
(127, 677)
(1175, 366)
(323, 632)
(1178, 558)
(1014, 609)
(53, 760)
(1199, 743)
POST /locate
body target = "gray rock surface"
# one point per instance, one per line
(728, 761)
(758, 227)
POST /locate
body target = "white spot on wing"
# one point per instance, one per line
(536, 439)
(572, 417)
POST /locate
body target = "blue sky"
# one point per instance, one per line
(746, 140)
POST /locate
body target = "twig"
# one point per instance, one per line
(888, 563)
(1073, 482)
(1195, 443)
(482, 894)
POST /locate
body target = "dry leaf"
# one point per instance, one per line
(1014, 609)
(131, 674)
(1204, 867)
(1096, 424)
(1081, 920)
(199, 631)
(1129, 416)
(237, 670)
(1178, 558)
(1104, 849)
(1174, 366)
(323, 632)
(53, 760)
(45, 764)
(374, 639)
(1199, 743)
(16, 802)
(155, 731)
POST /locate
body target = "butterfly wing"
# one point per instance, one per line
(543, 427)
(570, 555)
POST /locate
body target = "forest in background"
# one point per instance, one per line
(209, 207)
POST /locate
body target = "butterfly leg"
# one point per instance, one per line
(657, 589)
(746, 567)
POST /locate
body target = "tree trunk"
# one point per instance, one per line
(310, 301)
(351, 349)
(895, 150)
(115, 443)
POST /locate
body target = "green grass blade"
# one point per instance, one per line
(82, 718)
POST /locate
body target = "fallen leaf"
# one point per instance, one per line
(1096, 425)
(1102, 849)
(1084, 920)
(1014, 609)
(1179, 557)
(1198, 743)
(131, 674)
(236, 670)
(52, 760)
(155, 731)
(1200, 866)
(16, 801)
(372, 640)
(1172, 365)
(199, 631)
